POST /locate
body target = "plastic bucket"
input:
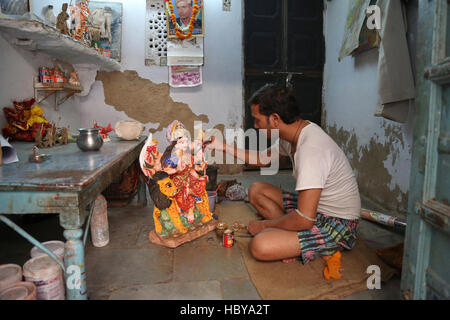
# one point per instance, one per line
(19, 291)
(47, 276)
(57, 247)
(212, 196)
(9, 274)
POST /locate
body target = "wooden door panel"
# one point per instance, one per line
(305, 45)
(426, 258)
(443, 167)
(264, 50)
(308, 93)
(281, 37)
(262, 34)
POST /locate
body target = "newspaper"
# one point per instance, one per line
(9, 155)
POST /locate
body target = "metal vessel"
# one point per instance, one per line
(89, 139)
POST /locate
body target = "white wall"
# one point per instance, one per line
(350, 98)
(17, 69)
(220, 96)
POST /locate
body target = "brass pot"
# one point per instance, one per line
(220, 228)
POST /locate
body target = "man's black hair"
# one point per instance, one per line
(272, 99)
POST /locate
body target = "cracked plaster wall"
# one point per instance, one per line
(379, 150)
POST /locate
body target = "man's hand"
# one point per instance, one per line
(214, 144)
(256, 226)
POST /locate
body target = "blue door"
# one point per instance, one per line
(426, 261)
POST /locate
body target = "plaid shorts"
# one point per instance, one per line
(327, 236)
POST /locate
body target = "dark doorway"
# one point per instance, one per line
(281, 38)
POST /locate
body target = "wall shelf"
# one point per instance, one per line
(54, 88)
(36, 36)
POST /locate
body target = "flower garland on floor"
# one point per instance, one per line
(178, 30)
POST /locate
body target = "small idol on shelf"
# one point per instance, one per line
(61, 20)
(73, 79)
(104, 131)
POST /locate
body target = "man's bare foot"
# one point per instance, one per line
(289, 260)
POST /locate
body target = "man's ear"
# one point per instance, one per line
(275, 120)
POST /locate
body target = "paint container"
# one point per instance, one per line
(99, 223)
(57, 247)
(228, 238)
(9, 274)
(211, 172)
(212, 197)
(47, 276)
(19, 291)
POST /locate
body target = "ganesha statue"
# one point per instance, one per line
(177, 185)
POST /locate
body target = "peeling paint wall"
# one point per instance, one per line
(379, 150)
(145, 101)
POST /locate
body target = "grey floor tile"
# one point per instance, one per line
(142, 239)
(199, 290)
(378, 236)
(193, 263)
(388, 291)
(128, 267)
(208, 240)
(239, 289)
(98, 293)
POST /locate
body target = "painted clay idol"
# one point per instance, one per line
(177, 185)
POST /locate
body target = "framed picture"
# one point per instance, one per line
(106, 19)
(183, 10)
(13, 8)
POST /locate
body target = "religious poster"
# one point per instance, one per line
(106, 31)
(13, 8)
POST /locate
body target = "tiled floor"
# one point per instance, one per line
(130, 267)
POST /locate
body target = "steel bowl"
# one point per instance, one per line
(89, 139)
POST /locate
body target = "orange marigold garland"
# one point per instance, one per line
(178, 30)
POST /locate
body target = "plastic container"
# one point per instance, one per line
(19, 291)
(57, 247)
(212, 196)
(99, 223)
(47, 276)
(9, 274)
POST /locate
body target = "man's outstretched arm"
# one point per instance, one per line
(252, 157)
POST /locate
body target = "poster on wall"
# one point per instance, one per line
(106, 21)
(184, 18)
(355, 20)
(13, 8)
(185, 76)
